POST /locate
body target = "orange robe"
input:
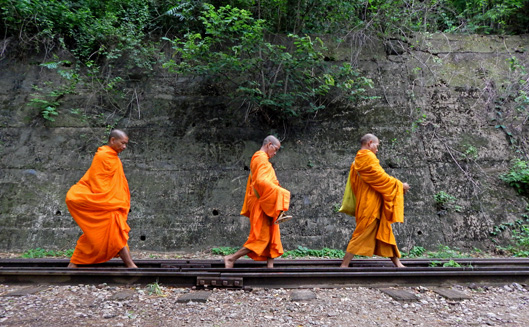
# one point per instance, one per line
(100, 203)
(379, 203)
(263, 202)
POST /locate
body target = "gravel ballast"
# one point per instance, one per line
(140, 305)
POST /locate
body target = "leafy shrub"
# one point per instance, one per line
(274, 80)
(415, 252)
(520, 236)
(518, 176)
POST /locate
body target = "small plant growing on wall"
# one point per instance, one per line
(518, 176)
(446, 201)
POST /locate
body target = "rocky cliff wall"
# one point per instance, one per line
(437, 114)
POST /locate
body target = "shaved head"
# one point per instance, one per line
(366, 138)
(271, 145)
(117, 134)
(118, 140)
(271, 139)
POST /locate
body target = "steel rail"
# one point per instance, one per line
(212, 263)
(286, 274)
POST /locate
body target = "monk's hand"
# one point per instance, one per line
(405, 187)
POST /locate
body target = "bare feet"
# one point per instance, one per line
(346, 260)
(126, 257)
(397, 262)
(72, 265)
(270, 263)
(228, 261)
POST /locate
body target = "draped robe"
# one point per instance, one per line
(379, 203)
(99, 203)
(263, 202)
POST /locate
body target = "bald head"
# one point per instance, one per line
(271, 139)
(366, 138)
(117, 134)
(271, 145)
(118, 140)
(370, 142)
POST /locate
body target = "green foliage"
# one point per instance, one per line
(419, 120)
(302, 251)
(450, 263)
(48, 98)
(415, 252)
(445, 201)
(469, 152)
(224, 250)
(489, 17)
(520, 236)
(521, 239)
(274, 80)
(518, 176)
(89, 28)
(154, 288)
(41, 253)
(258, 52)
(445, 252)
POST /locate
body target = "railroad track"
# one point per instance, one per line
(286, 274)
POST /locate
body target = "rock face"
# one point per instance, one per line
(445, 115)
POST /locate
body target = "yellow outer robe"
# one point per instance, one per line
(378, 196)
(100, 203)
(263, 202)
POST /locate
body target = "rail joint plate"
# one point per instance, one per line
(226, 282)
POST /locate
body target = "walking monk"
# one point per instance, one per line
(379, 203)
(264, 203)
(100, 203)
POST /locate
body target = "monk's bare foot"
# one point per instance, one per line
(228, 262)
(72, 265)
(397, 262)
(347, 260)
(270, 263)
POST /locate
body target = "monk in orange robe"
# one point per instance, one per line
(100, 203)
(265, 203)
(379, 203)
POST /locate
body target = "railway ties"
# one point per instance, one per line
(286, 274)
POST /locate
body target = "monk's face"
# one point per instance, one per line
(272, 148)
(119, 144)
(373, 145)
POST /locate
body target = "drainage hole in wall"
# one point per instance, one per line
(419, 233)
(215, 212)
(246, 167)
(58, 213)
(142, 237)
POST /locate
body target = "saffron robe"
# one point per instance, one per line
(263, 202)
(379, 203)
(99, 203)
